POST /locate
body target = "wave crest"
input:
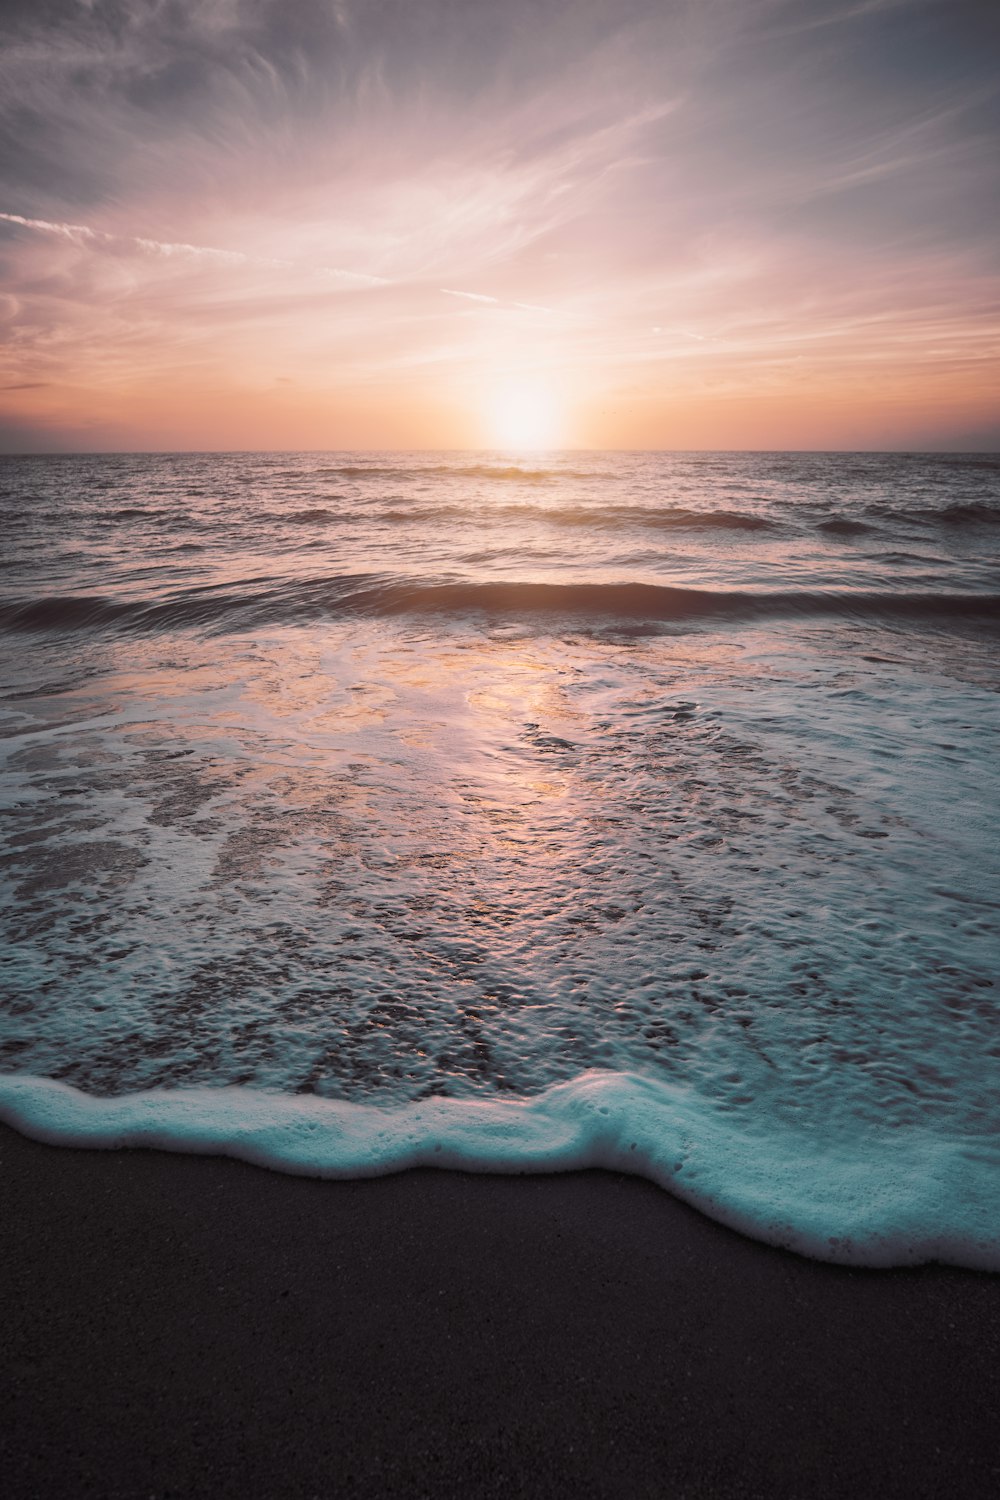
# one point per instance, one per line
(269, 602)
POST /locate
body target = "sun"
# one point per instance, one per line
(524, 414)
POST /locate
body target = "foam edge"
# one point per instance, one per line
(889, 1199)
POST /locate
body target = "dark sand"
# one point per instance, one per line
(192, 1326)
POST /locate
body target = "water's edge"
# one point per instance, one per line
(908, 1199)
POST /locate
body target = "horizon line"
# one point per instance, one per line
(511, 453)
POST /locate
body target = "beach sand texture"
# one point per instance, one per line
(193, 1326)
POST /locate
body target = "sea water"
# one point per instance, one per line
(631, 810)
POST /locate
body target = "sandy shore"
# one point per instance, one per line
(192, 1326)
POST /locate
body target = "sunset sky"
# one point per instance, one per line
(464, 223)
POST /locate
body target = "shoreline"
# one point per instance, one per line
(195, 1325)
(916, 1200)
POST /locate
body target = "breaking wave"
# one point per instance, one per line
(915, 1198)
(266, 601)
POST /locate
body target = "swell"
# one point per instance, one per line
(976, 515)
(843, 526)
(452, 471)
(605, 517)
(267, 601)
(317, 516)
(973, 513)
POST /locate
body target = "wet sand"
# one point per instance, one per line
(193, 1326)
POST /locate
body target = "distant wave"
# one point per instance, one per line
(904, 558)
(274, 602)
(843, 526)
(976, 514)
(960, 515)
(315, 517)
(164, 518)
(453, 471)
(603, 516)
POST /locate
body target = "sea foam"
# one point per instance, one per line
(881, 1199)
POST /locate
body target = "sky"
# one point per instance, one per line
(362, 224)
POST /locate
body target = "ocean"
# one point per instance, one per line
(515, 813)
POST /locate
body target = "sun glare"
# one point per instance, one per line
(524, 414)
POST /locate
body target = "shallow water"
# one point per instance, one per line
(423, 783)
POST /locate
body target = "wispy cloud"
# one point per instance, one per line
(470, 296)
(168, 249)
(484, 299)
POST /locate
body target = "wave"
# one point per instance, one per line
(905, 559)
(843, 526)
(274, 602)
(315, 517)
(857, 1200)
(404, 473)
(626, 517)
(971, 514)
(165, 519)
(976, 515)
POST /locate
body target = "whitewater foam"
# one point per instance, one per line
(899, 1200)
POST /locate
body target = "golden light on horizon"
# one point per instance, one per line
(524, 413)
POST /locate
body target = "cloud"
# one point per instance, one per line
(485, 299)
(470, 296)
(67, 231)
(194, 191)
(82, 233)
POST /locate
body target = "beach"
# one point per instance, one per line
(180, 1325)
